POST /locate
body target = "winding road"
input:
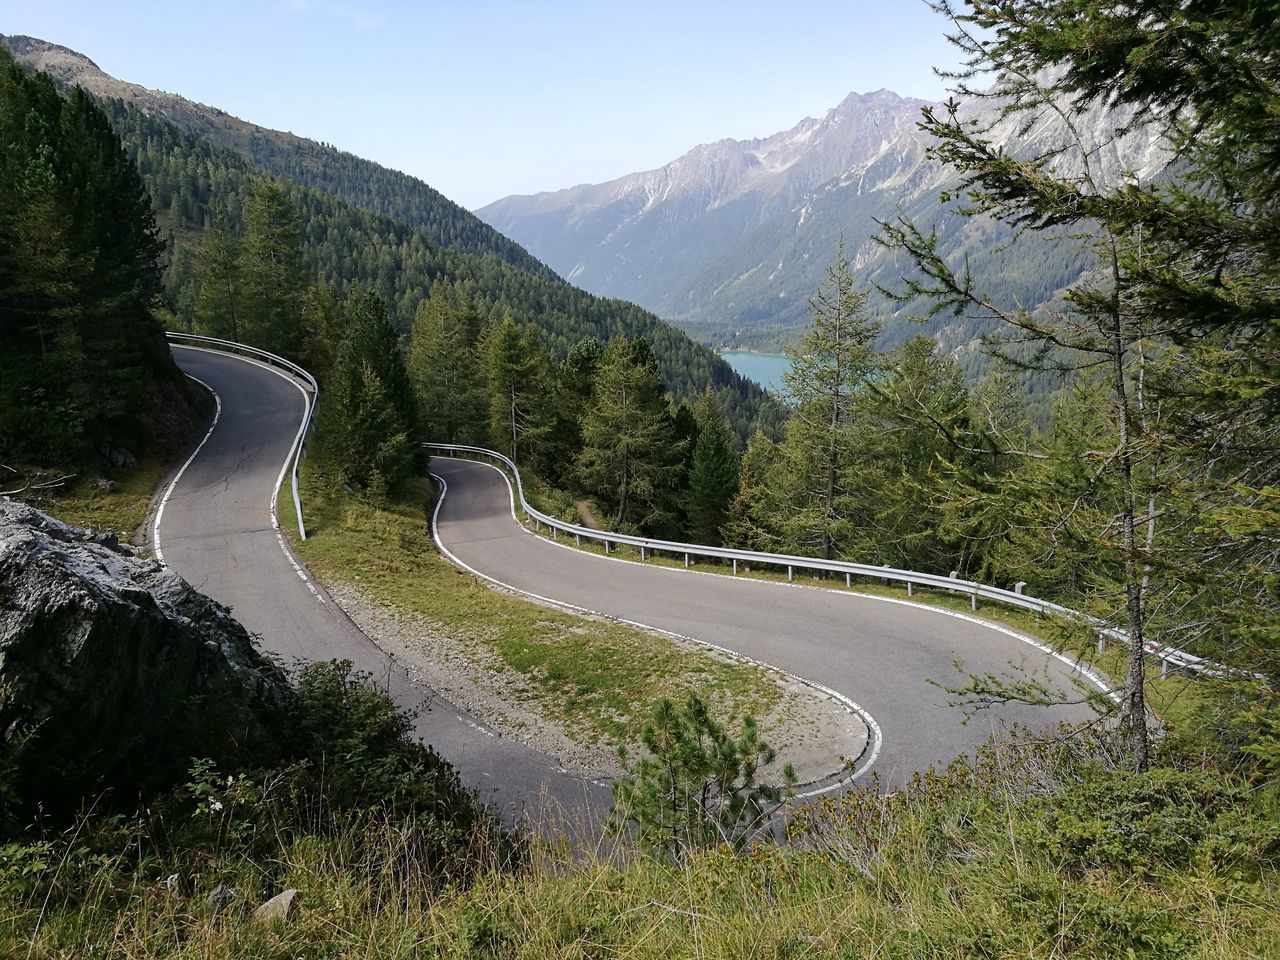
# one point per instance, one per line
(216, 529)
(884, 654)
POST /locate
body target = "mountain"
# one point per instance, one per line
(730, 240)
(365, 225)
(286, 156)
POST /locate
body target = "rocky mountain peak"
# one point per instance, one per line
(735, 235)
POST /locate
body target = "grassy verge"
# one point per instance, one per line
(109, 500)
(590, 676)
(1021, 855)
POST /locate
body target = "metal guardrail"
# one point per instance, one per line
(1168, 656)
(297, 372)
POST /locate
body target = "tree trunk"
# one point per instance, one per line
(1133, 704)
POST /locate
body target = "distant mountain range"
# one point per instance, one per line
(730, 240)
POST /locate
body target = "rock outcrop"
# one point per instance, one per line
(115, 673)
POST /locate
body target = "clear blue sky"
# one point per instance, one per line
(484, 99)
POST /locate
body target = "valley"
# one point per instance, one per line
(852, 541)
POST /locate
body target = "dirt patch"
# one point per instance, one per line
(586, 516)
(808, 728)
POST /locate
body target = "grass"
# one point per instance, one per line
(593, 677)
(122, 511)
(984, 860)
(1031, 851)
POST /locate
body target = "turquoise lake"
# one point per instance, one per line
(765, 369)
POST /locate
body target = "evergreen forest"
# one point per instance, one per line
(86, 371)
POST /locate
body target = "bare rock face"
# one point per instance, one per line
(115, 673)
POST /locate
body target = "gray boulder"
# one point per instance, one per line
(278, 909)
(115, 673)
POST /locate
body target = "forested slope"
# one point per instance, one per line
(84, 367)
(285, 155)
(195, 183)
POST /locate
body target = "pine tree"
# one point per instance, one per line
(271, 270)
(629, 455)
(713, 478)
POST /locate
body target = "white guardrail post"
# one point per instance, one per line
(1169, 656)
(311, 392)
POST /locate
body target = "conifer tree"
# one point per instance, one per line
(918, 410)
(829, 368)
(629, 456)
(322, 319)
(78, 277)
(271, 269)
(713, 478)
(750, 521)
(366, 416)
(570, 397)
(517, 369)
(217, 307)
(445, 369)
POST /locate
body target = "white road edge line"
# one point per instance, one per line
(298, 568)
(155, 527)
(1076, 666)
(874, 735)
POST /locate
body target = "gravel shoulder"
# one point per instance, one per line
(809, 729)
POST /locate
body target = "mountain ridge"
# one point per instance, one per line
(732, 254)
(286, 154)
(349, 240)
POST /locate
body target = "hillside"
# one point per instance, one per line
(730, 240)
(195, 179)
(287, 156)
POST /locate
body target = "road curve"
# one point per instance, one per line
(216, 530)
(881, 653)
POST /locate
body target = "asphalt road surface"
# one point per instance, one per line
(880, 653)
(216, 532)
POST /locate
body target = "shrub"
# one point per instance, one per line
(697, 786)
(1139, 823)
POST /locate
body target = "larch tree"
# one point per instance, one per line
(366, 415)
(1205, 268)
(570, 397)
(516, 366)
(1171, 323)
(217, 306)
(271, 269)
(445, 369)
(831, 365)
